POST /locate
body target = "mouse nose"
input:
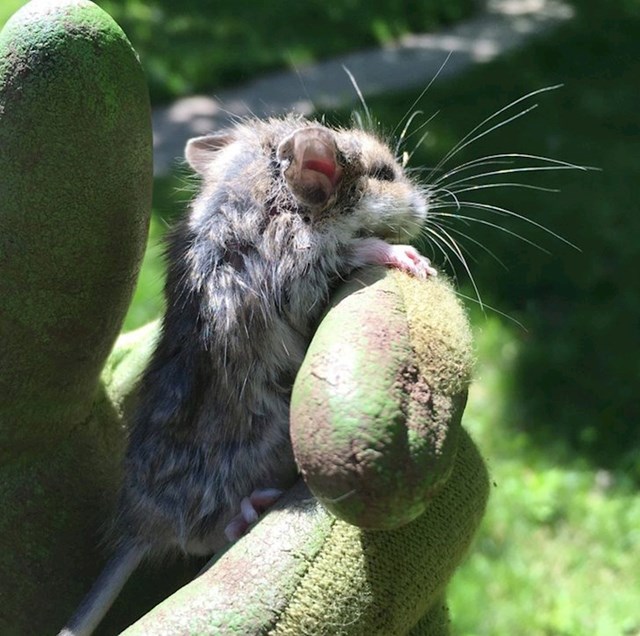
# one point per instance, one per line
(312, 169)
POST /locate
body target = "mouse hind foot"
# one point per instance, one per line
(250, 509)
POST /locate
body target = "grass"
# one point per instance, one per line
(559, 549)
(189, 46)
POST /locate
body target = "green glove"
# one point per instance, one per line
(301, 570)
(75, 197)
(75, 183)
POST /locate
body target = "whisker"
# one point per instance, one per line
(359, 94)
(413, 152)
(444, 226)
(420, 169)
(302, 83)
(506, 184)
(434, 238)
(476, 163)
(449, 193)
(422, 94)
(357, 119)
(490, 224)
(499, 210)
(479, 244)
(496, 159)
(404, 130)
(453, 246)
(421, 126)
(497, 311)
(461, 146)
(493, 173)
(464, 141)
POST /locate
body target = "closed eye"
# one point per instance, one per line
(382, 172)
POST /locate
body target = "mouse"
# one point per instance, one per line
(287, 208)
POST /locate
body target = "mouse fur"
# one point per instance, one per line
(287, 208)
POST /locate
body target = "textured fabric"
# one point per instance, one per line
(384, 582)
(377, 403)
(435, 622)
(75, 199)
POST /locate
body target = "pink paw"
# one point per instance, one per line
(374, 251)
(408, 259)
(250, 508)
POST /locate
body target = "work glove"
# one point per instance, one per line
(394, 486)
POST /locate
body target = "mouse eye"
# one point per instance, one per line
(382, 172)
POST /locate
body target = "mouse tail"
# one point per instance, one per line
(105, 590)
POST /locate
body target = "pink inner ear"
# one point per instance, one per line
(317, 153)
(327, 168)
(313, 171)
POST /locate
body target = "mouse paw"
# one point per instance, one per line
(375, 251)
(408, 259)
(250, 508)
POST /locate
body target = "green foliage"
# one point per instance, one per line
(193, 45)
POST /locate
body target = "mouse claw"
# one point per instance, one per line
(250, 508)
(408, 259)
(265, 497)
(427, 268)
(235, 528)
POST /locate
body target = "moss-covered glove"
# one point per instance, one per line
(376, 409)
(375, 422)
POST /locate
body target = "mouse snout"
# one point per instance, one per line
(309, 157)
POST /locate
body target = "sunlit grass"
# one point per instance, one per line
(7, 8)
(559, 549)
(147, 303)
(170, 199)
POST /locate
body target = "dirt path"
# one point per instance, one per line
(412, 62)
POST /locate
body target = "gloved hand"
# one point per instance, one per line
(75, 183)
(376, 414)
(75, 198)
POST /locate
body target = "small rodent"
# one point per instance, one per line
(287, 208)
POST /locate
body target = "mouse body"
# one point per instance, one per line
(287, 208)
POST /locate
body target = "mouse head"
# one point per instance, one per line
(390, 205)
(328, 174)
(352, 173)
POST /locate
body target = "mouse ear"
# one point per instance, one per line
(310, 159)
(198, 150)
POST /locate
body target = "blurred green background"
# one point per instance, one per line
(195, 45)
(554, 407)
